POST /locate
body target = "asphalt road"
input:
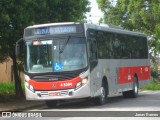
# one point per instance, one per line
(146, 101)
(146, 106)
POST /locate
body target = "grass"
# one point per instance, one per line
(152, 86)
(7, 88)
(7, 91)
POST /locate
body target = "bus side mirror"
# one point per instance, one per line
(17, 49)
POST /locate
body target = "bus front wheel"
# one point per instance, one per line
(100, 100)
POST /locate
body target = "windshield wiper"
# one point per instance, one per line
(66, 42)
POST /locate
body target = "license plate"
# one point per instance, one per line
(54, 94)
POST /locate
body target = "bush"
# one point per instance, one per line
(7, 88)
(152, 86)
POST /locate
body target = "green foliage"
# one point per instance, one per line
(138, 15)
(152, 86)
(7, 88)
(7, 91)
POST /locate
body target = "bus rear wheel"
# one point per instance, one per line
(132, 93)
(100, 100)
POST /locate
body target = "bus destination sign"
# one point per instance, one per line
(55, 30)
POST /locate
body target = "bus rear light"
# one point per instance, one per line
(81, 83)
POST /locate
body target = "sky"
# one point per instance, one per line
(95, 14)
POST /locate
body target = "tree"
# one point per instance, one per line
(137, 15)
(17, 14)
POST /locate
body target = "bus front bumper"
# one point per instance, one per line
(82, 92)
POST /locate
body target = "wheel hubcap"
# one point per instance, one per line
(102, 94)
(136, 88)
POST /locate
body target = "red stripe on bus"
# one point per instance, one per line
(55, 85)
(126, 74)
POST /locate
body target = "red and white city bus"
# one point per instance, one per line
(65, 61)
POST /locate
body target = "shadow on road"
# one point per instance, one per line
(85, 103)
(145, 100)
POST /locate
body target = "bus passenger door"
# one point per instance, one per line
(94, 71)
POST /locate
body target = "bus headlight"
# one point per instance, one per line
(84, 81)
(30, 87)
(78, 85)
(81, 83)
(27, 84)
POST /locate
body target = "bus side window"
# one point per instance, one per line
(108, 44)
(143, 48)
(116, 47)
(93, 49)
(92, 44)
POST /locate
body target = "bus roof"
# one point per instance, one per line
(115, 29)
(52, 24)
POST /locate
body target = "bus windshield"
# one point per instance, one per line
(56, 55)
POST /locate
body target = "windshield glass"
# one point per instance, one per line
(56, 55)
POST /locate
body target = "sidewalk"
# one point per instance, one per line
(19, 105)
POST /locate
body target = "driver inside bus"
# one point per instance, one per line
(79, 51)
(76, 57)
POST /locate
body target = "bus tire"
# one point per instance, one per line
(100, 100)
(132, 93)
(51, 103)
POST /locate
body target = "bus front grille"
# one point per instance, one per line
(52, 93)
